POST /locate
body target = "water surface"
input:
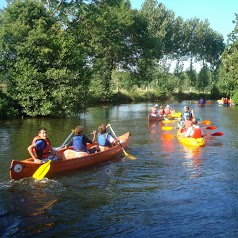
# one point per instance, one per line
(169, 191)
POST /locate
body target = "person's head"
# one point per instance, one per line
(168, 106)
(186, 108)
(78, 130)
(188, 117)
(156, 105)
(194, 121)
(102, 128)
(161, 107)
(42, 133)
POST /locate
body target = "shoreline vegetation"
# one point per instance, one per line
(57, 60)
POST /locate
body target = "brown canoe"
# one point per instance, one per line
(26, 168)
(155, 118)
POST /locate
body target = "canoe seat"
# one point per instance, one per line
(103, 148)
(69, 154)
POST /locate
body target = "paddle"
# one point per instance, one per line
(125, 153)
(210, 128)
(219, 133)
(44, 168)
(166, 128)
(205, 122)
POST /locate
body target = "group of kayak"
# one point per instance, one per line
(226, 102)
(189, 132)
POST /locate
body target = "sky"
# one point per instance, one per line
(219, 13)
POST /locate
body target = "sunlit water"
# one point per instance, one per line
(169, 191)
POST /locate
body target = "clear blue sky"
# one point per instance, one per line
(219, 13)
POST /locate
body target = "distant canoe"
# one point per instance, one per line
(155, 118)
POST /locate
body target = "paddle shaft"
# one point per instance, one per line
(117, 139)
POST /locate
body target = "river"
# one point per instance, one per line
(169, 191)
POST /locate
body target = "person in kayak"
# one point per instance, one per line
(186, 112)
(187, 123)
(104, 139)
(80, 141)
(41, 150)
(194, 131)
(202, 101)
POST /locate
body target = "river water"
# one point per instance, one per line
(169, 191)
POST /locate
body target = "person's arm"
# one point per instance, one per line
(33, 155)
(69, 144)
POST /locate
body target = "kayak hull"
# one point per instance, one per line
(155, 118)
(195, 142)
(26, 168)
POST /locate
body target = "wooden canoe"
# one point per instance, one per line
(198, 142)
(155, 118)
(26, 168)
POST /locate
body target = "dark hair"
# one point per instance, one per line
(42, 129)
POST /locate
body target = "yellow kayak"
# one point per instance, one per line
(191, 141)
(177, 114)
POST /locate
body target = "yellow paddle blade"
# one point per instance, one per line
(128, 155)
(166, 128)
(42, 171)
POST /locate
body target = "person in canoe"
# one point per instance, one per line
(194, 131)
(104, 139)
(80, 141)
(154, 110)
(41, 150)
(161, 111)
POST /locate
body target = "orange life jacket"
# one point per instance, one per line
(197, 132)
(41, 154)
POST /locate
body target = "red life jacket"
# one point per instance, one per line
(42, 154)
(161, 112)
(197, 132)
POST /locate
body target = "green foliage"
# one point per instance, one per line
(7, 110)
(59, 57)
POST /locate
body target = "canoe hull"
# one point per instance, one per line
(26, 168)
(198, 142)
(155, 118)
